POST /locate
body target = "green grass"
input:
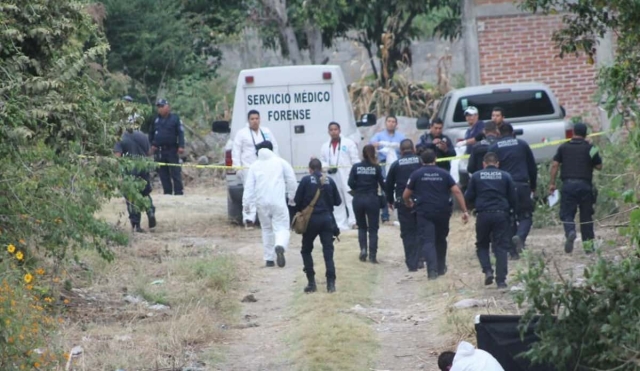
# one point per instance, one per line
(327, 336)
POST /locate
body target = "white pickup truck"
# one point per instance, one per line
(531, 108)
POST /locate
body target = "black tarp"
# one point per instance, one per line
(500, 336)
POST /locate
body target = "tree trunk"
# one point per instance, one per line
(314, 38)
(279, 10)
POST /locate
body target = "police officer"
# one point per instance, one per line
(476, 159)
(431, 187)
(321, 222)
(578, 158)
(493, 192)
(395, 184)
(516, 158)
(167, 142)
(134, 143)
(364, 179)
(438, 142)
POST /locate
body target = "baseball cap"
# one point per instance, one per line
(127, 98)
(471, 110)
(161, 102)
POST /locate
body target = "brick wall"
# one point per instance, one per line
(519, 49)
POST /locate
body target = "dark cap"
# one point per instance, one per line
(127, 98)
(264, 144)
(161, 102)
(580, 129)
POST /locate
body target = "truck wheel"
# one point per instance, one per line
(234, 211)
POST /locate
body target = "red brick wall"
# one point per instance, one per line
(520, 49)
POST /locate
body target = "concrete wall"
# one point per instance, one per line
(248, 52)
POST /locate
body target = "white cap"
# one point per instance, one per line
(471, 110)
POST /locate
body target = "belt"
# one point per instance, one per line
(492, 212)
(576, 180)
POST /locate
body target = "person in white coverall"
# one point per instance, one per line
(245, 153)
(468, 358)
(270, 182)
(342, 152)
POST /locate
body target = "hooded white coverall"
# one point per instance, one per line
(345, 156)
(269, 183)
(243, 154)
(468, 358)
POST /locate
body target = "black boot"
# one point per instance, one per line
(331, 285)
(311, 286)
(363, 254)
(136, 228)
(152, 219)
(372, 257)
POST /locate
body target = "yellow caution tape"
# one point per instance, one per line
(443, 159)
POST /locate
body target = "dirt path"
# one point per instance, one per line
(260, 348)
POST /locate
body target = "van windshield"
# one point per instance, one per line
(525, 103)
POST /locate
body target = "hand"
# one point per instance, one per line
(442, 146)
(461, 143)
(153, 149)
(292, 203)
(552, 188)
(465, 217)
(180, 151)
(391, 207)
(409, 203)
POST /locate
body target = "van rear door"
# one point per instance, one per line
(267, 100)
(297, 115)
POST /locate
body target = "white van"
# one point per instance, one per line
(296, 103)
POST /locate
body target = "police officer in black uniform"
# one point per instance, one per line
(494, 194)
(134, 143)
(396, 182)
(167, 142)
(476, 159)
(578, 158)
(320, 224)
(364, 179)
(431, 188)
(438, 142)
(516, 158)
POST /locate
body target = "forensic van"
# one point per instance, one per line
(296, 103)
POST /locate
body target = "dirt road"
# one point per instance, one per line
(202, 268)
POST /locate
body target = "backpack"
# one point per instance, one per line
(301, 219)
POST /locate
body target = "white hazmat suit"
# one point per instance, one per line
(269, 182)
(244, 154)
(468, 358)
(345, 156)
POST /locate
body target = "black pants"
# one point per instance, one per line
(134, 212)
(409, 234)
(493, 228)
(170, 176)
(319, 225)
(433, 229)
(577, 194)
(524, 212)
(366, 208)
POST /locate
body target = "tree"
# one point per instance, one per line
(585, 324)
(155, 41)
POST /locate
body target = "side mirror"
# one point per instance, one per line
(368, 119)
(221, 127)
(423, 123)
(564, 112)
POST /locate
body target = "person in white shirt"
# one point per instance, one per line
(340, 152)
(245, 152)
(270, 182)
(468, 358)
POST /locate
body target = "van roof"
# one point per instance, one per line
(324, 68)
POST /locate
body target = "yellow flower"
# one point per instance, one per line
(28, 278)
(11, 249)
(29, 287)
(36, 365)
(19, 255)
(66, 301)
(40, 271)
